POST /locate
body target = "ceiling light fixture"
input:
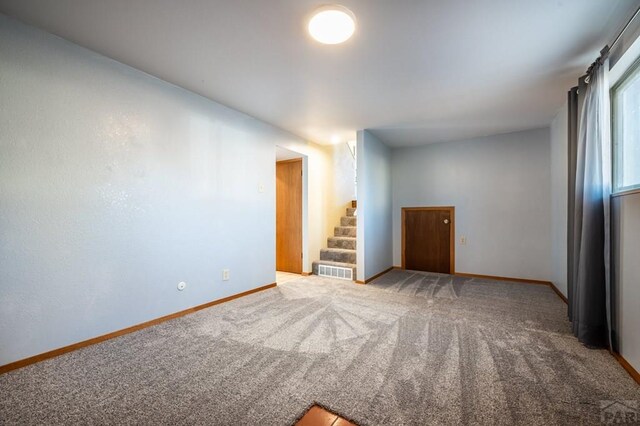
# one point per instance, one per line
(332, 24)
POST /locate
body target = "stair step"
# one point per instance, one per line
(351, 211)
(348, 221)
(338, 264)
(338, 255)
(344, 231)
(342, 242)
(354, 204)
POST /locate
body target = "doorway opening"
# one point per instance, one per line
(428, 239)
(290, 214)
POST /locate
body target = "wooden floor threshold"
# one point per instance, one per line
(319, 416)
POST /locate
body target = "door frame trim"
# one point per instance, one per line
(291, 160)
(452, 233)
(303, 199)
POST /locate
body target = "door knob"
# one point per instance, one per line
(446, 221)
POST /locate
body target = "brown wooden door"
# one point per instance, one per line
(289, 216)
(428, 239)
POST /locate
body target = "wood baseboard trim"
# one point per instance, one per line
(498, 278)
(368, 280)
(519, 280)
(305, 274)
(559, 293)
(65, 349)
(625, 364)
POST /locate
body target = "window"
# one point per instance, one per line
(625, 98)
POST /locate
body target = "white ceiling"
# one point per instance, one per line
(415, 72)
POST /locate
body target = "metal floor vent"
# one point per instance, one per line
(335, 272)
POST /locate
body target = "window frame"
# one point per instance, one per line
(631, 75)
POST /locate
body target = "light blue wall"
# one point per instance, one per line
(500, 187)
(374, 206)
(114, 187)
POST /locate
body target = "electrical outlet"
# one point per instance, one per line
(463, 240)
(225, 275)
(182, 285)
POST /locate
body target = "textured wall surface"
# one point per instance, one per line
(374, 206)
(626, 246)
(114, 187)
(343, 176)
(500, 188)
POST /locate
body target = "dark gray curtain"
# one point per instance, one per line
(572, 120)
(589, 211)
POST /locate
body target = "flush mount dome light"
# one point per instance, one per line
(332, 24)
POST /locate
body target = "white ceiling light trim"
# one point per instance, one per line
(332, 24)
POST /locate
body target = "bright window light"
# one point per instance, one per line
(626, 131)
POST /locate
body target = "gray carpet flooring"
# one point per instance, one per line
(407, 349)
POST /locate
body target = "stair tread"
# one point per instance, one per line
(344, 242)
(332, 263)
(341, 226)
(340, 250)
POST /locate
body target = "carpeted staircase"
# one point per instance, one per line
(341, 249)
